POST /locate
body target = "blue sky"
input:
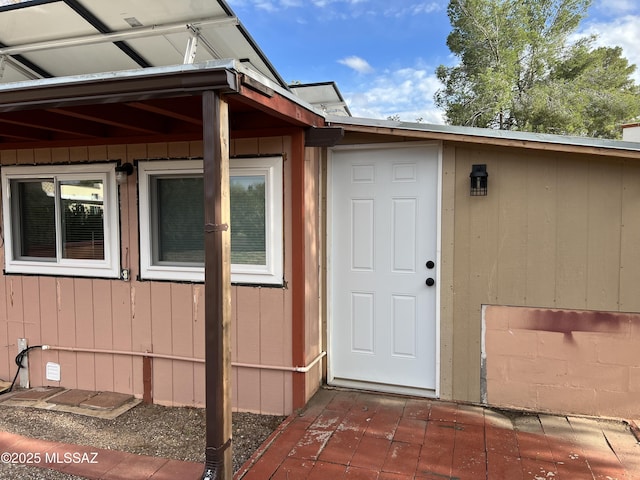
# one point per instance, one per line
(383, 53)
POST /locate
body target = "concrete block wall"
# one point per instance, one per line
(563, 361)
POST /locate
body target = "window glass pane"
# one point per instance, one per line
(179, 218)
(82, 214)
(248, 223)
(34, 218)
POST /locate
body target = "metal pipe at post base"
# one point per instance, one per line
(218, 459)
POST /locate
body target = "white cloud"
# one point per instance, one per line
(358, 64)
(414, 9)
(620, 32)
(407, 93)
(616, 7)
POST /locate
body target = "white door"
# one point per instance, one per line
(383, 267)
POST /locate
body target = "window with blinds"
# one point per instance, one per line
(172, 220)
(61, 220)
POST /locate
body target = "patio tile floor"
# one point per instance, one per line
(346, 435)
(355, 436)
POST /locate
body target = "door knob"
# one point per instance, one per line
(430, 282)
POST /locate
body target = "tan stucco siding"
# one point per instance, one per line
(555, 230)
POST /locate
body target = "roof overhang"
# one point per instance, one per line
(143, 105)
(118, 87)
(487, 136)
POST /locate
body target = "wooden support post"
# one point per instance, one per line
(218, 458)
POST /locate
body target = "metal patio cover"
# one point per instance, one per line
(54, 38)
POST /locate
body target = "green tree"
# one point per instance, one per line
(518, 70)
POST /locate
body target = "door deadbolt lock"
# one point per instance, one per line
(430, 264)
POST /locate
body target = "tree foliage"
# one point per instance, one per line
(518, 70)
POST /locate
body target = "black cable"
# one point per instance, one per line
(18, 360)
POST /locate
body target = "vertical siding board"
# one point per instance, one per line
(446, 270)
(15, 309)
(161, 317)
(103, 331)
(272, 398)
(234, 324)
(273, 349)
(141, 317)
(130, 256)
(249, 389)
(196, 149)
(199, 386)
(248, 317)
(31, 307)
(162, 381)
(5, 356)
(234, 388)
(541, 238)
(483, 223)
(83, 294)
(161, 341)
(182, 342)
(42, 155)
(271, 145)
(122, 336)
(512, 230)
(179, 150)
(117, 152)
(198, 321)
(78, 154)
(605, 209)
(198, 344)
(8, 157)
(67, 334)
(462, 274)
(60, 155)
(572, 222)
(15, 317)
(245, 146)
(25, 157)
(181, 319)
(157, 150)
(140, 329)
(49, 321)
(183, 383)
(630, 238)
(31, 293)
(97, 153)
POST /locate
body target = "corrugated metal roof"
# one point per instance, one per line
(486, 133)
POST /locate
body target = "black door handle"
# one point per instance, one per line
(430, 282)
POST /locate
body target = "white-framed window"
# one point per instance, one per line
(61, 220)
(171, 199)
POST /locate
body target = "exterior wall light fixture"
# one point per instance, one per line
(122, 172)
(479, 177)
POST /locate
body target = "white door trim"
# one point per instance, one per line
(330, 213)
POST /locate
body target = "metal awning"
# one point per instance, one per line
(53, 38)
(324, 96)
